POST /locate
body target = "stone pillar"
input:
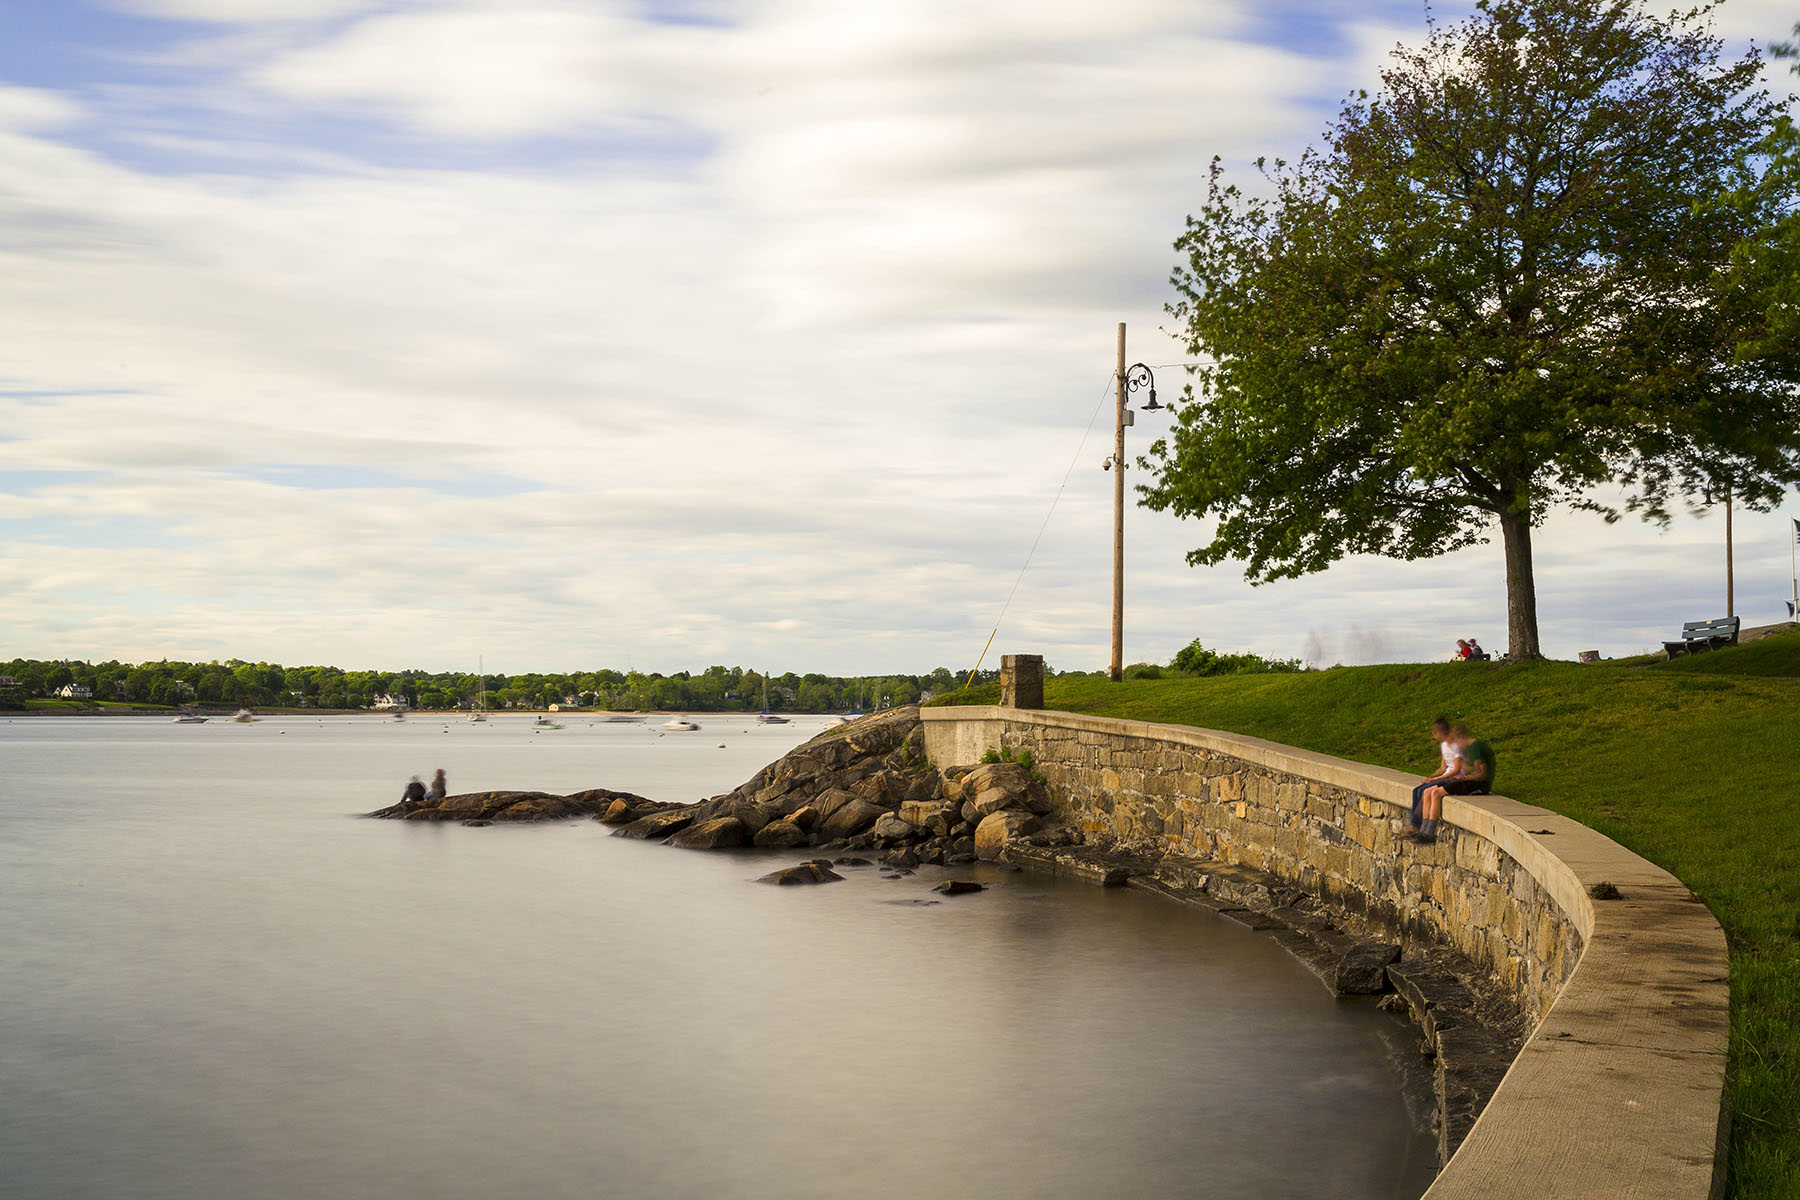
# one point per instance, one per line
(1022, 681)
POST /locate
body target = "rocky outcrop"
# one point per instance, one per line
(488, 807)
(863, 786)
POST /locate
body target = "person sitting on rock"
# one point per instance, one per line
(415, 791)
(438, 789)
(1474, 776)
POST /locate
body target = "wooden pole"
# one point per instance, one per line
(1118, 625)
(1730, 601)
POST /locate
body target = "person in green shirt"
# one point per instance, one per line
(1473, 775)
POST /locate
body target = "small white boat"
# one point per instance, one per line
(243, 716)
(476, 716)
(545, 723)
(771, 719)
(188, 718)
(680, 724)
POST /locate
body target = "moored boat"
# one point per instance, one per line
(243, 716)
(680, 724)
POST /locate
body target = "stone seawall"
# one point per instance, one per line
(1618, 1092)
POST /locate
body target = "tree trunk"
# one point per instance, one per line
(1521, 588)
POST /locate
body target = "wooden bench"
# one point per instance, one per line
(1704, 635)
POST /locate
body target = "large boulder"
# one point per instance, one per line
(618, 813)
(780, 835)
(996, 829)
(657, 825)
(720, 833)
(991, 800)
(850, 818)
(806, 816)
(830, 800)
(890, 828)
(918, 812)
(1008, 776)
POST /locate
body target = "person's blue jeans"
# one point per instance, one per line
(1419, 801)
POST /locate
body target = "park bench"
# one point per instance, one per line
(1704, 635)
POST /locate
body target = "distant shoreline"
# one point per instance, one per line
(423, 714)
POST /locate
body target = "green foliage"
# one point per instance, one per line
(1698, 772)
(1142, 671)
(1501, 283)
(270, 685)
(1195, 659)
(1007, 754)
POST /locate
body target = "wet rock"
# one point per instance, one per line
(959, 887)
(901, 858)
(806, 816)
(1362, 971)
(618, 813)
(957, 860)
(854, 862)
(657, 825)
(806, 872)
(477, 824)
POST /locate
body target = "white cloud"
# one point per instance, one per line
(36, 110)
(242, 11)
(797, 391)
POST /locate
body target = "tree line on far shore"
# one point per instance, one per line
(717, 689)
(262, 684)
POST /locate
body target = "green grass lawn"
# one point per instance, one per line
(1694, 763)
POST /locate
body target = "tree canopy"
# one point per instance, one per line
(1504, 280)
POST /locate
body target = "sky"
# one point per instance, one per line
(559, 335)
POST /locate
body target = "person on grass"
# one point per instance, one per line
(1440, 729)
(1473, 776)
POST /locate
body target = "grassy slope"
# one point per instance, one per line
(1694, 764)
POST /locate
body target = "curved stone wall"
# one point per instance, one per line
(1619, 1092)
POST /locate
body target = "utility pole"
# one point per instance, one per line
(1730, 602)
(1117, 671)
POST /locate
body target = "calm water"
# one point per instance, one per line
(215, 982)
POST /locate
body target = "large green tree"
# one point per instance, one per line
(1503, 282)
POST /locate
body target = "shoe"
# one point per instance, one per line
(1426, 839)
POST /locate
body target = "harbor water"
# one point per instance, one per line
(217, 981)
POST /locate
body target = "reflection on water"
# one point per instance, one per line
(213, 983)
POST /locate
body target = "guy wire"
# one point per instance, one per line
(1085, 434)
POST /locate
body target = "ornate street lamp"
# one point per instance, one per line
(1130, 379)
